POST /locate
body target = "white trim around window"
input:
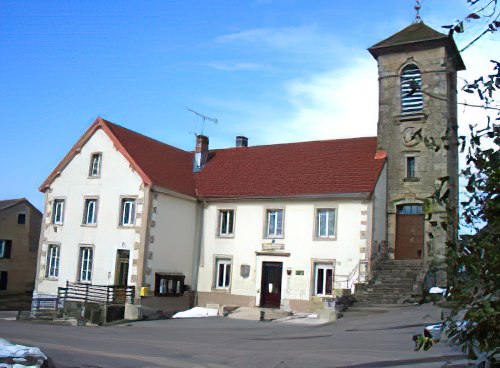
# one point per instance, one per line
(325, 223)
(85, 264)
(90, 207)
(324, 274)
(226, 222)
(58, 211)
(274, 223)
(128, 211)
(222, 272)
(53, 259)
(95, 165)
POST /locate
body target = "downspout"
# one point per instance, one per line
(144, 240)
(198, 246)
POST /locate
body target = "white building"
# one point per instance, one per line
(270, 225)
(275, 225)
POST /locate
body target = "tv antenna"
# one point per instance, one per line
(204, 118)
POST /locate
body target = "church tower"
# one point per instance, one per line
(417, 127)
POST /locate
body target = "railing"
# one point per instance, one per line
(100, 294)
(348, 279)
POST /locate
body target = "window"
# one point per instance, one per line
(95, 165)
(3, 280)
(226, 222)
(411, 167)
(223, 273)
(5, 248)
(412, 101)
(169, 284)
(85, 269)
(52, 268)
(325, 223)
(410, 209)
(127, 216)
(90, 211)
(323, 279)
(21, 218)
(274, 223)
(58, 211)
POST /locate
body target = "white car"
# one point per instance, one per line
(19, 356)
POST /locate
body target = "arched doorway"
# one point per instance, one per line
(409, 231)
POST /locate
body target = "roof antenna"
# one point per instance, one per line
(417, 8)
(204, 118)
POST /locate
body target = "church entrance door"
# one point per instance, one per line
(409, 231)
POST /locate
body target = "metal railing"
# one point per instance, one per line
(100, 294)
(348, 279)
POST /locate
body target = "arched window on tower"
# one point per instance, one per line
(412, 99)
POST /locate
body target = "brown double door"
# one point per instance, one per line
(270, 289)
(409, 232)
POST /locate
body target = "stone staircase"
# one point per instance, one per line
(393, 281)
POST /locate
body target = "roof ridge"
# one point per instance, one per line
(293, 143)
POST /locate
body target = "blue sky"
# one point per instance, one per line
(272, 70)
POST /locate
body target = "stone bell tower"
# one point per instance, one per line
(417, 127)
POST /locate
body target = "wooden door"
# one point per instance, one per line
(270, 289)
(409, 233)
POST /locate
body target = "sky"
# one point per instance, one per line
(273, 70)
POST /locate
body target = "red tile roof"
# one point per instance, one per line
(340, 166)
(308, 168)
(164, 165)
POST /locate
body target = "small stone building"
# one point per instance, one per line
(19, 234)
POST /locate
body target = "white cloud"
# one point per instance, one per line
(335, 104)
(283, 38)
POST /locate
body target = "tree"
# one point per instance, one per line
(474, 260)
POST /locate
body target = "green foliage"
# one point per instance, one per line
(475, 261)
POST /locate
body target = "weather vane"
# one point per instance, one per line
(418, 6)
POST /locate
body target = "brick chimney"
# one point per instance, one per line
(241, 141)
(200, 152)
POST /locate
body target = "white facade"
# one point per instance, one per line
(300, 250)
(74, 184)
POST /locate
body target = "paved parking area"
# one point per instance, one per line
(365, 337)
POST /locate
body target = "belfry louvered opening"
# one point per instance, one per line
(412, 99)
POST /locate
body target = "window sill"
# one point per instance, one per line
(411, 180)
(52, 278)
(326, 238)
(222, 290)
(221, 236)
(88, 225)
(94, 177)
(133, 226)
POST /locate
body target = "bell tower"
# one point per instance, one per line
(417, 127)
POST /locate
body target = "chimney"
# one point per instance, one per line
(241, 141)
(200, 152)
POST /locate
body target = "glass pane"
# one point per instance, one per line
(319, 281)
(331, 222)
(230, 222)
(220, 278)
(329, 281)
(228, 275)
(223, 222)
(271, 223)
(279, 222)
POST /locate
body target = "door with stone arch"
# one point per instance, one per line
(409, 231)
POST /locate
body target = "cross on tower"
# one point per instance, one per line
(417, 7)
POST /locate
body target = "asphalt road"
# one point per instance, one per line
(364, 338)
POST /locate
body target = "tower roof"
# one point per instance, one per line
(420, 36)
